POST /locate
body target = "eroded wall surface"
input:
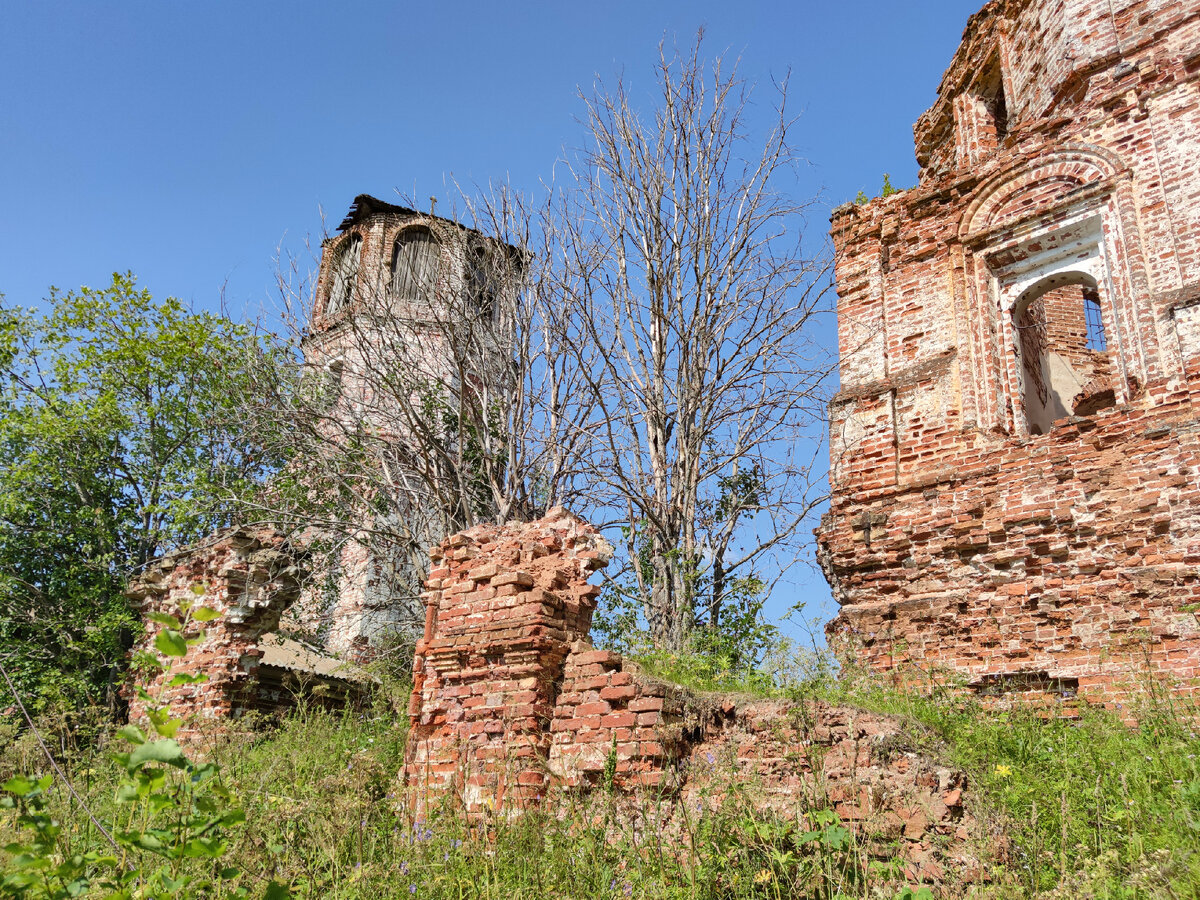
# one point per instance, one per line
(1015, 445)
(512, 706)
(249, 577)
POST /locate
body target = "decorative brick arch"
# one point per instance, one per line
(1069, 210)
(1029, 188)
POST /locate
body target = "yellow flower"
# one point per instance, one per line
(763, 876)
(1003, 771)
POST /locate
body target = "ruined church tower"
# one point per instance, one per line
(397, 287)
(1015, 445)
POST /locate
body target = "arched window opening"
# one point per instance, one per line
(990, 91)
(1065, 366)
(481, 281)
(344, 283)
(981, 115)
(416, 260)
(334, 372)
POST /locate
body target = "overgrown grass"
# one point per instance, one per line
(326, 817)
(1088, 807)
(787, 670)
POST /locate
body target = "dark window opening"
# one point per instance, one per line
(992, 105)
(481, 282)
(333, 377)
(998, 110)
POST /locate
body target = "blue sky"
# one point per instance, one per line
(187, 141)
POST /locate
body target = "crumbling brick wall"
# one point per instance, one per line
(512, 704)
(873, 771)
(974, 532)
(505, 607)
(249, 576)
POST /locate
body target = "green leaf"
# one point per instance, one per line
(171, 642)
(132, 733)
(146, 841)
(164, 751)
(144, 660)
(277, 891)
(164, 619)
(233, 817)
(19, 785)
(210, 848)
(205, 614)
(168, 727)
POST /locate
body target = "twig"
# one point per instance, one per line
(49, 756)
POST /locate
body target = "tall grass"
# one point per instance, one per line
(1083, 807)
(1088, 804)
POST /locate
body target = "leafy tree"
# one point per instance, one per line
(117, 434)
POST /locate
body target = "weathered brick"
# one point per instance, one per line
(1004, 491)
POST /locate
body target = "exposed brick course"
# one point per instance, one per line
(512, 705)
(1007, 504)
(505, 607)
(249, 576)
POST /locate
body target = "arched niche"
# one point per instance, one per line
(1065, 216)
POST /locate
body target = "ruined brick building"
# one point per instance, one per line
(512, 706)
(1016, 442)
(250, 577)
(396, 288)
(402, 296)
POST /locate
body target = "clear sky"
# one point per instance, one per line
(186, 141)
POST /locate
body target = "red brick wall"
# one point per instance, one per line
(511, 705)
(958, 538)
(250, 577)
(506, 607)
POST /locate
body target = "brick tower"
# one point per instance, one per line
(402, 295)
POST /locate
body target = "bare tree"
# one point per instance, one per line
(685, 257)
(636, 345)
(430, 389)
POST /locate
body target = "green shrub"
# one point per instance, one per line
(168, 822)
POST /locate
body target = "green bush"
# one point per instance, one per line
(164, 832)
